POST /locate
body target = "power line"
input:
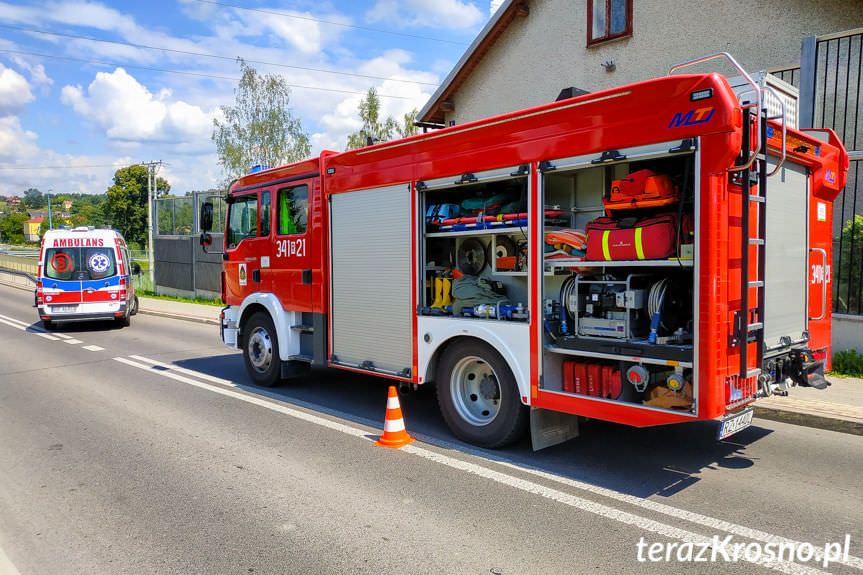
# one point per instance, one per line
(342, 24)
(186, 73)
(206, 55)
(57, 167)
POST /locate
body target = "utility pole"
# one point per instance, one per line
(50, 223)
(152, 170)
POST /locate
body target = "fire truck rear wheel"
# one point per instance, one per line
(261, 350)
(478, 395)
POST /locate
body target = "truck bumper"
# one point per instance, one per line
(229, 326)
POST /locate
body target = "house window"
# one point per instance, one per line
(608, 19)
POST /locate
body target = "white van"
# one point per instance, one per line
(85, 274)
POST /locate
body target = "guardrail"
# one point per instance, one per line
(26, 265)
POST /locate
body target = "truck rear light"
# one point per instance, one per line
(40, 298)
(122, 289)
(224, 300)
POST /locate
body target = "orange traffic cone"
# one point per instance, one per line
(395, 435)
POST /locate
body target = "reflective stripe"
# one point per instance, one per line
(393, 402)
(391, 425)
(639, 249)
(605, 253)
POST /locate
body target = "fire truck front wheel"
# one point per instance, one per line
(478, 395)
(261, 350)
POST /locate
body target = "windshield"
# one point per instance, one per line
(242, 220)
(79, 263)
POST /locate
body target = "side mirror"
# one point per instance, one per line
(206, 218)
(136, 268)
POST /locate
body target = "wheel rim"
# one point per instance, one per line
(260, 348)
(475, 391)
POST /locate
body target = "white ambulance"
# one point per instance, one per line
(85, 274)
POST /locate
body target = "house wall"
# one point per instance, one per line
(542, 53)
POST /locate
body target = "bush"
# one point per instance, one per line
(848, 362)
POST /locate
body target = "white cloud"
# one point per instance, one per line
(16, 143)
(450, 13)
(14, 91)
(128, 112)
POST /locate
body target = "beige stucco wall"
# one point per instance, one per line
(545, 51)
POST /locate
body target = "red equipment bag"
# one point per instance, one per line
(611, 239)
(611, 382)
(641, 189)
(568, 382)
(594, 379)
(580, 377)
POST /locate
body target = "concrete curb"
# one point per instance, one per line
(185, 317)
(809, 420)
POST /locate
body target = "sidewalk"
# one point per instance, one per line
(837, 408)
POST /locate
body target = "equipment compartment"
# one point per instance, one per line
(474, 245)
(618, 308)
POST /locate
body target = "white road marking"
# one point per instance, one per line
(15, 325)
(711, 522)
(63, 335)
(6, 566)
(183, 370)
(14, 321)
(574, 501)
(47, 336)
(92, 347)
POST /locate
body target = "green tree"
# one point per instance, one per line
(850, 272)
(125, 207)
(259, 128)
(12, 228)
(33, 199)
(378, 130)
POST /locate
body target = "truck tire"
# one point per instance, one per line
(478, 395)
(261, 350)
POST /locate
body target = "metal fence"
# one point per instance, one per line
(179, 216)
(831, 73)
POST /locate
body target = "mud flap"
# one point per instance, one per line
(549, 428)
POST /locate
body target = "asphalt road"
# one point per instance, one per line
(142, 450)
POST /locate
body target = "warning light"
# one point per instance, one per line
(701, 94)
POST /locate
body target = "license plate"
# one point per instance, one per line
(735, 423)
(64, 308)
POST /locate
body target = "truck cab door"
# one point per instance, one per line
(292, 263)
(247, 245)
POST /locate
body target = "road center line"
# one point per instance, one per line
(509, 480)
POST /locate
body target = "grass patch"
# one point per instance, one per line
(204, 301)
(848, 363)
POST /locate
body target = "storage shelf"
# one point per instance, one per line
(509, 230)
(566, 263)
(635, 359)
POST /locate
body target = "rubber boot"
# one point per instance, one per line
(438, 290)
(447, 285)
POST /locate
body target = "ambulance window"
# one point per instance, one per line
(242, 220)
(293, 207)
(99, 261)
(265, 214)
(61, 263)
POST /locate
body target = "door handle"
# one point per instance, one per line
(823, 283)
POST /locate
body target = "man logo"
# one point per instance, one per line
(692, 117)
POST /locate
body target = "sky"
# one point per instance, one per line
(88, 87)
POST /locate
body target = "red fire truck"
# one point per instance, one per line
(651, 254)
